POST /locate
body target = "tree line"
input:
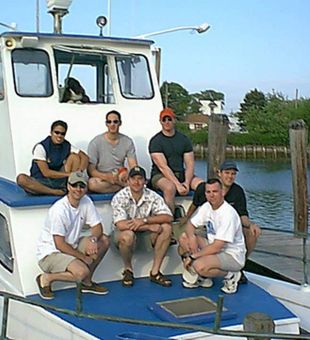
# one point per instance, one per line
(263, 118)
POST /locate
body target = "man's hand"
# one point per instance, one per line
(192, 243)
(255, 230)
(181, 189)
(92, 246)
(187, 262)
(135, 224)
(155, 228)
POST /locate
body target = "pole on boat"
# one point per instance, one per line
(298, 133)
(58, 8)
(217, 140)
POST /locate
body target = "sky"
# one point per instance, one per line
(261, 44)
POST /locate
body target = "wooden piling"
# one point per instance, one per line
(217, 139)
(298, 144)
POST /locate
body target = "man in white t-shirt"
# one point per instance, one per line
(213, 243)
(62, 253)
(54, 158)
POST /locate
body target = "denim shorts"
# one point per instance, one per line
(53, 183)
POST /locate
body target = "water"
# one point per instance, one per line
(268, 187)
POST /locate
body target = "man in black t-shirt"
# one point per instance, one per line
(172, 160)
(235, 196)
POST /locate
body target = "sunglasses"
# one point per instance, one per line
(165, 119)
(112, 121)
(78, 185)
(59, 133)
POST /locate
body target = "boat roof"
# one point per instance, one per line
(54, 36)
(135, 303)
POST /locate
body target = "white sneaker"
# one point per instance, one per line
(231, 282)
(190, 276)
(201, 282)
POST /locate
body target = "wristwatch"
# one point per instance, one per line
(145, 220)
(93, 239)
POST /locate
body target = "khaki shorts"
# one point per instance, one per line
(59, 262)
(143, 239)
(228, 263)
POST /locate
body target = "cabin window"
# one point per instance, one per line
(83, 76)
(134, 77)
(6, 258)
(1, 81)
(32, 76)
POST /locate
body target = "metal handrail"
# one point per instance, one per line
(79, 313)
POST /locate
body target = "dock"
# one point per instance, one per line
(282, 253)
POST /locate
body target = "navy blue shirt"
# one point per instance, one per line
(235, 196)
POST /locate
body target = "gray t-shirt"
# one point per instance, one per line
(107, 157)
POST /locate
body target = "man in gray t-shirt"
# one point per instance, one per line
(107, 155)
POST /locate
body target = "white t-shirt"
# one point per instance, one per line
(39, 152)
(65, 220)
(222, 224)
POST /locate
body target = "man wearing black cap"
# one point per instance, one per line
(234, 195)
(62, 254)
(138, 210)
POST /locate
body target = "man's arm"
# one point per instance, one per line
(48, 173)
(160, 160)
(253, 227)
(131, 162)
(189, 168)
(66, 248)
(143, 224)
(210, 249)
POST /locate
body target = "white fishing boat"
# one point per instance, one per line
(117, 73)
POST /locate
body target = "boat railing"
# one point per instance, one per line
(78, 312)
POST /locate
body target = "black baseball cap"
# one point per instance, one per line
(137, 170)
(228, 165)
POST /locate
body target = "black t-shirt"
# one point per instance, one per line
(173, 148)
(235, 196)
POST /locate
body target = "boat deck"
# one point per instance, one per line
(133, 303)
(282, 253)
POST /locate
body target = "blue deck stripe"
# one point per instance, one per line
(133, 303)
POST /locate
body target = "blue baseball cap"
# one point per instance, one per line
(228, 165)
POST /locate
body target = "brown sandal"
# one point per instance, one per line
(128, 278)
(160, 279)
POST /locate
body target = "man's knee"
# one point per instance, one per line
(126, 238)
(166, 229)
(79, 270)
(22, 179)
(92, 183)
(104, 241)
(183, 240)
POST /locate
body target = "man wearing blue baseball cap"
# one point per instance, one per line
(234, 195)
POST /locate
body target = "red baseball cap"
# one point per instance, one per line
(166, 112)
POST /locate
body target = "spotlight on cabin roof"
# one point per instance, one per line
(101, 21)
(53, 5)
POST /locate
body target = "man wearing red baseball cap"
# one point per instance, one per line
(172, 160)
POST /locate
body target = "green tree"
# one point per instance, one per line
(254, 101)
(176, 97)
(209, 95)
